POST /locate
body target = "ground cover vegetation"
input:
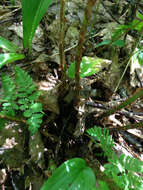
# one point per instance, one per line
(71, 94)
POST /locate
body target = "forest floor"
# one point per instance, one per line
(62, 135)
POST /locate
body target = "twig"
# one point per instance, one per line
(61, 40)
(126, 127)
(79, 50)
(127, 102)
(12, 118)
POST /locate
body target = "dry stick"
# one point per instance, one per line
(127, 102)
(61, 40)
(12, 118)
(126, 127)
(79, 50)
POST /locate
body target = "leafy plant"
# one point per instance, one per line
(12, 2)
(6, 58)
(74, 174)
(21, 95)
(88, 66)
(121, 169)
(32, 13)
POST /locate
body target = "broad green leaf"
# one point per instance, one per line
(119, 43)
(32, 13)
(7, 45)
(105, 42)
(137, 25)
(89, 66)
(119, 31)
(102, 185)
(9, 58)
(72, 174)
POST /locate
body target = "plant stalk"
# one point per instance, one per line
(79, 50)
(12, 118)
(61, 41)
(127, 102)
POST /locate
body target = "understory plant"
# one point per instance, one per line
(19, 101)
(32, 13)
(124, 172)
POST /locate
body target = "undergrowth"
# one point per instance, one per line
(20, 98)
(125, 171)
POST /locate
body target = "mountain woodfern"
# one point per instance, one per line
(20, 98)
(125, 171)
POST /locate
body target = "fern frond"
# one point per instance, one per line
(35, 117)
(2, 123)
(131, 164)
(9, 88)
(34, 122)
(21, 94)
(121, 170)
(104, 138)
(24, 81)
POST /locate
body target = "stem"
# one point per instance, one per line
(129, 59)
(127, 102)
(79, 50)
(12, 118)
(61, 40)
(126, 127)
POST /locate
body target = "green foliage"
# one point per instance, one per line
(117, 43)
(136, 24)
(6, 58)
(32, 13)
(88, 66)
(121, 169)
(7, 45)
(21, 95)
(12, 2)
(137, 57)
(72, 174)
(104, 138)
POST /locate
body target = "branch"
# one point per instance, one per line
(79, 50)
(19, 120)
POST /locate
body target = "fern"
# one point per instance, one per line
(24, 81)
(103, 138)
(121, 170)
(9, 96)
(21, 94)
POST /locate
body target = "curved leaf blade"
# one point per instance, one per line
(7, 45)
(72, 174)
(88, 66)
(32, 13)
(6, 58)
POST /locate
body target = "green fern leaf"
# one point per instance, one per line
(24, 81)
(34, 122)
(2, 123)
(8, 86)
(131, 164)
(34, 96)
(104, 138)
